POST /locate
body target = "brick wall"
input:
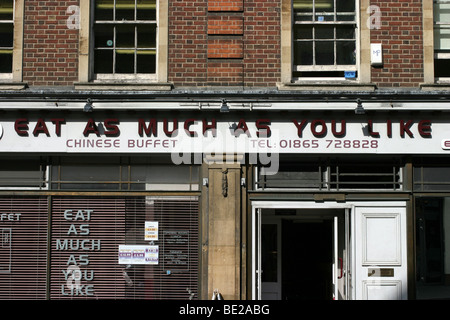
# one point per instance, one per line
(188, 42)
(401, 37)
(50, 51)
(262, 38)
(224, 43)
(220, 43)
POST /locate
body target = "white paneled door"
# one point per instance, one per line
(380, 249)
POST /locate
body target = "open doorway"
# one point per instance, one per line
(303, 254)
(307, 260)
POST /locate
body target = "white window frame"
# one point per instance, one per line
(363, 64)
(8, 75)
(128, 76)
(86, 70)
(334, 67)
(17, 56)
(439, 55)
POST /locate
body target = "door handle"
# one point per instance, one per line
(341, 263)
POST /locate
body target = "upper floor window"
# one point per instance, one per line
(441, 13)
(125, 42)
(324, 39)
(6, 38)
(125, 37)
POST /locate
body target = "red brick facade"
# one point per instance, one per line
(50, 52)
(400, 33)
(219, 43)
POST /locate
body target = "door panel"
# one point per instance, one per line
(341, 257)
(381, 265)
(271, 260)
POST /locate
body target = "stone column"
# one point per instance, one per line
(222, 231)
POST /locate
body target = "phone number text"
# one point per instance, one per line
(315, 144)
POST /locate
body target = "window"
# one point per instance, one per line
(122, 175)
(334, 175)
(125, 37)
(441, 13)
(324, 39)
(124, 43)
(432, 247)
(6, 38)
(431, 174)
(23, 173)
(11, 44)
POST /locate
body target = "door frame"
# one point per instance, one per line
(257, 205)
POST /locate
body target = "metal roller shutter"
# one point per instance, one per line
(23, 247)
(87, 233)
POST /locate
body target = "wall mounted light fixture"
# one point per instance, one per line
(224, 107)
(359, 107)
(88, 107)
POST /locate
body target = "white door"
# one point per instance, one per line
(380, 248)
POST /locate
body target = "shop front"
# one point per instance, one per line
(292, 201)
(358, 214)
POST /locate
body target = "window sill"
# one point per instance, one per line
(435, 86)
(327, 86)
(13, 85)
(154, 86)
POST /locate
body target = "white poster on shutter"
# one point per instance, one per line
(135, 254)
(151, 231)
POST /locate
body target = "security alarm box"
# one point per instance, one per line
(376, 54)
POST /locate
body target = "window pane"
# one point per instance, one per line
(345, 32)
(303, 5)
(125, 10)
(345, 6)
(433, 247)
(442, 12)
(125, 61)
(324, 32)
(325, 5)
(324, 53)
(146, 10)
(103, 61)
(91, 173)
(6, 10)
(303, 32)
(22, 173)
(104, 10)
(163, 177)
(345, 52)
(125, 36)
(442, 38)
(442, 68)
(146, 36)
(104, 36)
(303, 53)
(5, 61)
(6, 35)
(146, 61)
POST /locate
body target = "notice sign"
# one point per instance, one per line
(129, 254)
(151, 231)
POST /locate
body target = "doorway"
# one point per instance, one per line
(311, 280)
(368, 243)
(304, 254)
